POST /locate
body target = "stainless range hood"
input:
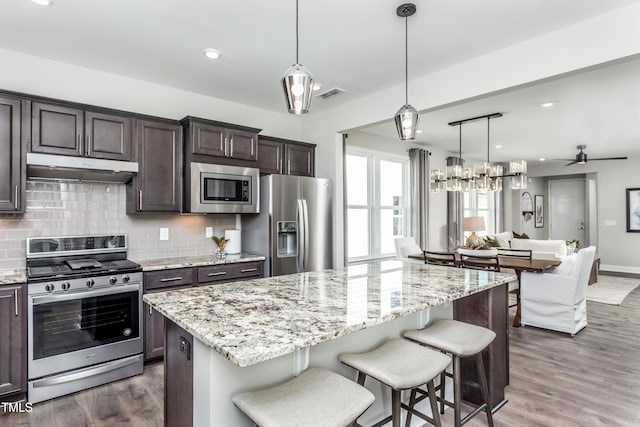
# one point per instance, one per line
(79, 168)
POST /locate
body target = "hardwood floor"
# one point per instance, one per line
(590, 380)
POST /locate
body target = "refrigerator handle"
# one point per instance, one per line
(305, 235)
(300, 237)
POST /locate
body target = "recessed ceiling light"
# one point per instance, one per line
(212, 53)
(418, 130)
(498, 146)
(43, 2)
(542, 159)
(547, 104)
(317, 87)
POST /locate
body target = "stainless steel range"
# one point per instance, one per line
(84, 314)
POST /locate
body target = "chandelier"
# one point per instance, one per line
(485, 176)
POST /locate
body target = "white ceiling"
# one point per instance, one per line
(355, 44)
(599, 108)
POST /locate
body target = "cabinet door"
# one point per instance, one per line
(11, 170)
(243, 145)
(270, 156)
(107, 136)
(56, 129)
(159, 180)
(13, 333)
(208, 140)
(300, 160)
(153, 333)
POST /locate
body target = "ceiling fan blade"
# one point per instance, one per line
(609, 158)
(572, 163)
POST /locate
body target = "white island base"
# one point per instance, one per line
(216, 379)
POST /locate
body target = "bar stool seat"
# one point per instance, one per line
(461, 340)
(316, 398)
(401, 365)
(454, 337)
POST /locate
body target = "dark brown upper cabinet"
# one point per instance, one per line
(157, 187)
(283, 156)
(67, 130)
(208, 141)
(12, 167)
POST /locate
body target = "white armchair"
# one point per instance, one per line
(557, 300)
(406, 246)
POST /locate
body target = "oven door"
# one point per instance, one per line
(73, 330)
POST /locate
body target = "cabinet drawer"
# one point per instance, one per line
(226, 272)
(168, 278)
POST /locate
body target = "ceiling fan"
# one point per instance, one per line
(581, 157)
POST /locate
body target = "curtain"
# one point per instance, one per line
(419, 196)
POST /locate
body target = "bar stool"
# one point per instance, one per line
(316, 398)
(460, 340)
(401, 365)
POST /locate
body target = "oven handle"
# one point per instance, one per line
(111, 366)
(84, 294)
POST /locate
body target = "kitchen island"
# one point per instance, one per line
(224, 339)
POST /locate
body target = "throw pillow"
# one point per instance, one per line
(493, 242)
(520, 236)
(504, 239)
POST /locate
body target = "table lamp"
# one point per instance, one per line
(473, 224)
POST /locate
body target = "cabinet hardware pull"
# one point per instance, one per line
(140, 200)
(150, 311)
(171, 279)
(88, 145)
(15, 198)
(248, 270)
(15, 294)
(79, 137)
(219, 273)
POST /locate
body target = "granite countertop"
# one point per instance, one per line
(256, 320)
(195, 261)
(13, 277)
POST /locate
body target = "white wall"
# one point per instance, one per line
(618, 249)
(608, 37)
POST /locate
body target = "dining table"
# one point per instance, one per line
(518, 264)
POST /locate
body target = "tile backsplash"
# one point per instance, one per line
(59, 208)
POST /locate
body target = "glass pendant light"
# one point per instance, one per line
(407, 117)
(297, 83)
(518, 170)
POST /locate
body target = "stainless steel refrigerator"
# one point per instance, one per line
(294, 227)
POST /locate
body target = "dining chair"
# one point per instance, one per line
(487, 263)
(515, 253)
(440, 258)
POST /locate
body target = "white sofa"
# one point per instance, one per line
(557, 300)
(542, 249)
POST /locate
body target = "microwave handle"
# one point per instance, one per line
(300, 236)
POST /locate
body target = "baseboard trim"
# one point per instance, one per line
(619, 270)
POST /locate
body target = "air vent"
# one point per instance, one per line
(331, 92)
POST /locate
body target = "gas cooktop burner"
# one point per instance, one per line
(60, 271)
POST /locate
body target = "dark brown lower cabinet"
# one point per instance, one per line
(487, 309)
(178, 376)
(153, 333)
(13, 340)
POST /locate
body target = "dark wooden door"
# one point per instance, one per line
(108, 136)
(208, 140)
(13, 333)
(242, 145)
(299, 159)
(270, 156)
(11, 169)
(153, 333)
(57, 129)
(159, 180)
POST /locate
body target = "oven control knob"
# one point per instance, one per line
(90, 283)
(50, 287)
(113, 280)
(66, 286)
(126, 278)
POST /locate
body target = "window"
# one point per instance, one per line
(481, 204)
(376, 184)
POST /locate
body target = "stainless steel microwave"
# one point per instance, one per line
(224, 189)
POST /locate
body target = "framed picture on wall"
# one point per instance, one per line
(633, 210)
(539, 209)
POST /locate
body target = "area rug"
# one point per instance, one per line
(609, 292)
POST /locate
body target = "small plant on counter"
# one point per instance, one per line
(220, 241)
